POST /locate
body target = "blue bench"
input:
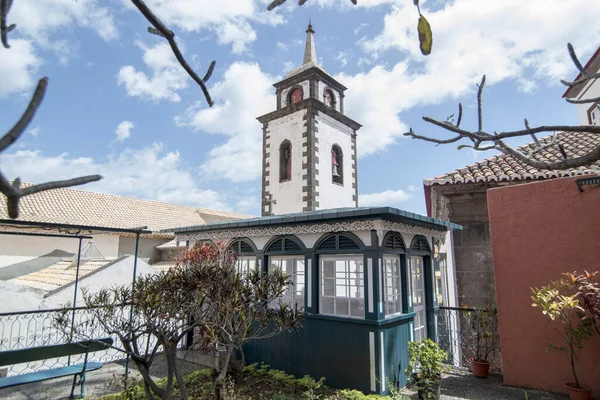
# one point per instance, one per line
(12, 357)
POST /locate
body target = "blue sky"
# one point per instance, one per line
(119, 105)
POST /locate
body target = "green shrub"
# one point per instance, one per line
(348, 394)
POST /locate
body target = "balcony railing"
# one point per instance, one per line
(458, 332)
(26, 329)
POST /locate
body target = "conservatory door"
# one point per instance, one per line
(418, 295)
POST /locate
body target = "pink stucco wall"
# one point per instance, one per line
(538, 231)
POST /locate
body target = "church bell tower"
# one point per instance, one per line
(309, 144)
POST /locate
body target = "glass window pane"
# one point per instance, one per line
(293, 267)
(342, 278)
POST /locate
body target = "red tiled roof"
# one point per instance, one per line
(504, 168)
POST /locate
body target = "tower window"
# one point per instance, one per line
(337, 165)
(329, 98)
(285, 161)
(295, 96)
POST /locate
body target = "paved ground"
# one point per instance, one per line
(456, 385)
(461, 385)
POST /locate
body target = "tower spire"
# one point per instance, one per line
(310, 53)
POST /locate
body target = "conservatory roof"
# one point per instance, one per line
(334, 214)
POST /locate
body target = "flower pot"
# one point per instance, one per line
(481, 368)
(576, 393)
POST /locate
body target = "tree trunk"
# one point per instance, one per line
(220, 381)
(182, 388)
(160, 392)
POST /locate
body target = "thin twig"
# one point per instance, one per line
(161, 30)
(459, 115)
(27, 116)
(479, 112)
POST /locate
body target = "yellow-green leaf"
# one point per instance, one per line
(425, 35)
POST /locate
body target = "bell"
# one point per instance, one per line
(334, 171)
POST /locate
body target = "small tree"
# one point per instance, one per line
(565, 309)
(149, 317)
(240, 307)
(588, 294)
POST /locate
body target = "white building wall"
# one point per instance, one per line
(288, 194)
(590, 91)
(333, 195)
(35, 246)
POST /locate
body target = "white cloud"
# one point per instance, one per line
(360, 27)
(123, 130)
(228, 19)
(37, 19)
(247, 93)
(34, 131)
(281, 46)
(238, 32)
(385, 198)
(342, 57)
(504, 40)
(167, 76)
(19, 64)
(150, 173)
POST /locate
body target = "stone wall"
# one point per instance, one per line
(474, 268)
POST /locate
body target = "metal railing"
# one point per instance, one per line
(458, 329)
(26, 329)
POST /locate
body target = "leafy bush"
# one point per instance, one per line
(350, 394)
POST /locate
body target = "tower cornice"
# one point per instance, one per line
(308, 74)
(309, 103)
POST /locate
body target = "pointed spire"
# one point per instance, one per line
(310, 53)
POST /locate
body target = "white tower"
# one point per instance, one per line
(309, 145)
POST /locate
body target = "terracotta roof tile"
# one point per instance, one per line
(79, 207)
(504, 168)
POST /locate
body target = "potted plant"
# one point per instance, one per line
(565, 312)
(425, 367)
(483, 339)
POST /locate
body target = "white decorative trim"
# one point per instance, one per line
(372, 361)
(282, 230)
(309, 283)
(370, 283)
(415, 230)
(381, 346)
(381, 277)
(380, 226)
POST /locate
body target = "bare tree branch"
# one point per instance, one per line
(13, 192)
(27, 116)
(161, 30)
(479, 113)
(4, 29)
(483, 141)
(583, 101)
